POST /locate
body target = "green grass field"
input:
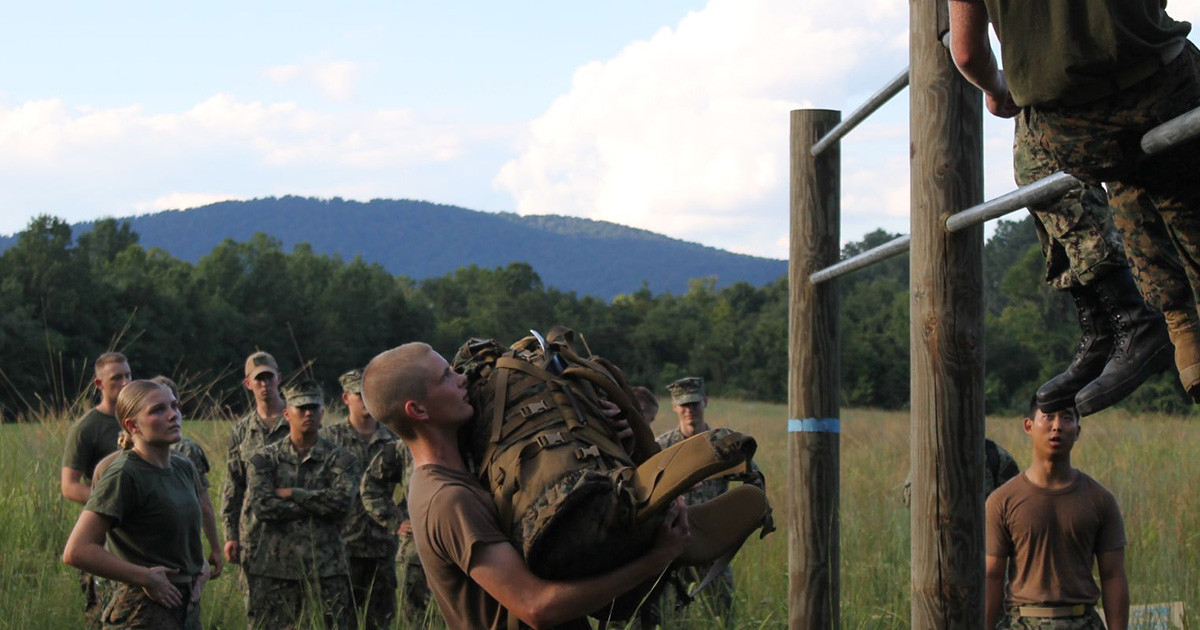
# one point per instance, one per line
(1149, 462)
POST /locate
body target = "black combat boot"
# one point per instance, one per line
(1095, 344)
(1141, 345)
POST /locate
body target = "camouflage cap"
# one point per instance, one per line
(688, 389)
(260, 362)
(304, 393)
(352, 381)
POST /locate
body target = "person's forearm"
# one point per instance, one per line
(994, 600)
(1115, 592)
(96, 560)
(561, 601)
(74, 489)
(208, 521)
(970, 48)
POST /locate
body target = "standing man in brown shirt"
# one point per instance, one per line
(476, 574)
(1045, 527)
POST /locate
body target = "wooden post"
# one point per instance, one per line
(946, 332)
(813, 359)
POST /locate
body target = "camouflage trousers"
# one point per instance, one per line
(1087, 621)
(416, 589)
(1155, 200)
(96, 594)
(373, 584)
(131, 607)
(277, 604)
(1076, 232)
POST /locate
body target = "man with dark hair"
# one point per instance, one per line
(646, 402)
(476, 574)
(1045, 528)
(300, 491)
(89, 440)
(264, 424)
(370, 547)
(1089, 78)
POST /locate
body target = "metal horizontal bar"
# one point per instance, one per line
(1173, 132)
(1044, 189)
(875, 102)
(894, 247)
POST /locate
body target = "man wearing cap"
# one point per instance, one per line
(89, 440)
(300, 491)
(370, 547)
(262, 425)
(688, 400)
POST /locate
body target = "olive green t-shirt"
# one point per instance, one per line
(89, 440)
(155, 512)
(1058, 49)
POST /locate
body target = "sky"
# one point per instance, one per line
(667, 115)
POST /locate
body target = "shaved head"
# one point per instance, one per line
(393, 378)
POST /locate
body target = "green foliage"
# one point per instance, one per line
(64, 300)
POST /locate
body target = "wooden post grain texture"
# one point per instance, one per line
(813, 360)
(946, 332)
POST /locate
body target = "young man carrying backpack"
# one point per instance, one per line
(476, 574)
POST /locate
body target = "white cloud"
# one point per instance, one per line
(333, 79)
(181, 201)
(686, 133)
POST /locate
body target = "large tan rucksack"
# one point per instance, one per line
(574, 501)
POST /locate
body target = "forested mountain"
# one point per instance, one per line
(422, 240)
(65, 298)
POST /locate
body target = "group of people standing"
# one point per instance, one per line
(309, 512)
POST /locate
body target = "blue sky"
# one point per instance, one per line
(669, 115)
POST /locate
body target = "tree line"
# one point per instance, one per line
(64, 299)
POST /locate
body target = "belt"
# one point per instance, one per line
(1122, 80)
(1050, 612)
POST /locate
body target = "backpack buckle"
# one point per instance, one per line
(587, 451)
(546, 440)
(535, 407)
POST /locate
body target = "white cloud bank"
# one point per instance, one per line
(333, 79)
(687, 133)
(78, 162)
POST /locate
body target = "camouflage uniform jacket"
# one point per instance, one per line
(301, 536)
(711, 488)
(390, 467)
(365, 538)
(192, 450)
(249, 435)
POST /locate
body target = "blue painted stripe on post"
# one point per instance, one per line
(814, 425)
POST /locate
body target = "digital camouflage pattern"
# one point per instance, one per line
(249, 435)
(719, 593)
(371, 547)
(1154, 200)
(279, 603)
(301, 536)
(1014, 621)
(390, 468)
(365, 538)
(998, 467)
(192, 450)
(131, 607)
(1078, 239)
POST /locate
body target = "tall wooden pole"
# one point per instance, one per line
(946, 332)
(813, 360)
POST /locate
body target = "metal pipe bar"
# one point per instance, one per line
(894, 247)
(1044, 189)
(875, 102)
(1173, 132)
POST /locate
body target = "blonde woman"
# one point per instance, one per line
(146, 505)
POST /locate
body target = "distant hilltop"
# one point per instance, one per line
(420, 240)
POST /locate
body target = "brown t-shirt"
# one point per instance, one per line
(453, 517)
(1052, 538)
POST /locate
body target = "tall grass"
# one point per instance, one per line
(1149, 462)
